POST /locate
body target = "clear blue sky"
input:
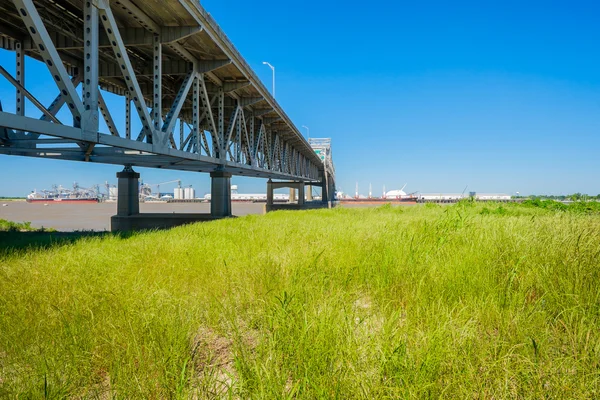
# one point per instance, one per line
(502, 96)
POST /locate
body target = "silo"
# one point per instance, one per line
(178, 194)
(113, 193)
(189, 193)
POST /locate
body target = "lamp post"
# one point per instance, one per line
(307, 130)
(272, 69)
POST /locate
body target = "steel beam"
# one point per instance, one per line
(127, 115)
(204, 66)
(91, 91)
(112, 128)
(39, 35)
(176, 107)
(157, 78)
(20, 78)
(220, 134)
(232, 86)
(26, 93)
(271, 148)
(112, 30)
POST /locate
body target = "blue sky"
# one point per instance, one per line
(502, 96)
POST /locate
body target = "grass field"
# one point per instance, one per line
(465, 301)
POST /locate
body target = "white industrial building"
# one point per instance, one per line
(440, 196)
(459, 196)
(493, 196)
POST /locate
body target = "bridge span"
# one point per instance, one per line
(196, 103)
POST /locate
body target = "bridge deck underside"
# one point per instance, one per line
(200, 106)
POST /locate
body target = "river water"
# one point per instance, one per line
(96, 216)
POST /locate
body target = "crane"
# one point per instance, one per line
(150, 185)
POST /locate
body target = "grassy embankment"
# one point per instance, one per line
(455, 302)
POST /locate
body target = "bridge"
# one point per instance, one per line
(196, 103)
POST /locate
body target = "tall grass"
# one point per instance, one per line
(464, 301)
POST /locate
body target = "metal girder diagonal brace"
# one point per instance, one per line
(55, 106)
(238, 137)
(196, 118)
(207, 105)
(277, 154)
(232, 124)
(249, 147)
(221, 151)
(30, 96)
(41, 38)
(60, 99)
(107, 117)
(173, 114)
(112, 30)
(259, 140)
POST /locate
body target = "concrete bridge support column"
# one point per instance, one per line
(292, 195)
(301, 193)
(293, 185)
(220, 190)
(309, 196)
(128, 200)
(325, 192)
(269, 192)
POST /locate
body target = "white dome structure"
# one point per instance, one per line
(396, 194)
(393, 194)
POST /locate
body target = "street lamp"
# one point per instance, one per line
(273, 69)
(307, 130)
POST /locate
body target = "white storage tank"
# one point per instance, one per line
(189, 193)
(178, 194)
(113, 194)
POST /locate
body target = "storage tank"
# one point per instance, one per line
(178, 194)
(113, 193)
(189, 193)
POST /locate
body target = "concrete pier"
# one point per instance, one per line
(220, 188)
(128, 202)
(295, 203)
(128, 216)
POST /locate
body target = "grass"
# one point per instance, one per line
(10, 226)
(465, 301)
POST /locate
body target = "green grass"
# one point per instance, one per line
(10, 226)
(466, 301)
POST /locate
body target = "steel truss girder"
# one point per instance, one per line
(119, 145)
(112, 30)
(25, 93)
(40, 37)
(239, 142)
(177, 104)
(130, 36)
(112, 128)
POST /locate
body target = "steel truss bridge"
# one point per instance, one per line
(201, 107)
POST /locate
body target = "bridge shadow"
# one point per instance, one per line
(14, 242)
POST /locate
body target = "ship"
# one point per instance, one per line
(393, 196)
(61, 195)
